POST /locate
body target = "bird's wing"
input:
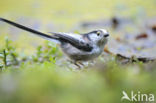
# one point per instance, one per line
(78, 43)
(48, 37)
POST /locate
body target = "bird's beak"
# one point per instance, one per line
(106, 35)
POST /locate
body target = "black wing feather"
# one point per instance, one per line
(75, 42)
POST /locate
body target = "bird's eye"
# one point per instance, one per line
(98, 33)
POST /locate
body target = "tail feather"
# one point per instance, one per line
(48, 37)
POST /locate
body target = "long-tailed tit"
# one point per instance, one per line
(78, 47)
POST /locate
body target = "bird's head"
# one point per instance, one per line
(100, 36)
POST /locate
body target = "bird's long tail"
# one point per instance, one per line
(48, 37)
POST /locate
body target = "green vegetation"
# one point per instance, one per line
(39, 79)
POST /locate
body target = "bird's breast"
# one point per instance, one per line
(79, 55)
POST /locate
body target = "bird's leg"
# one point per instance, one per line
(81, 63)
(76, 63)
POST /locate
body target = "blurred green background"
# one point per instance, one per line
(68, 12)
(54, 80)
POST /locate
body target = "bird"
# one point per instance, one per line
(78, 47)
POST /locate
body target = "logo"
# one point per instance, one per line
(137, 96)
